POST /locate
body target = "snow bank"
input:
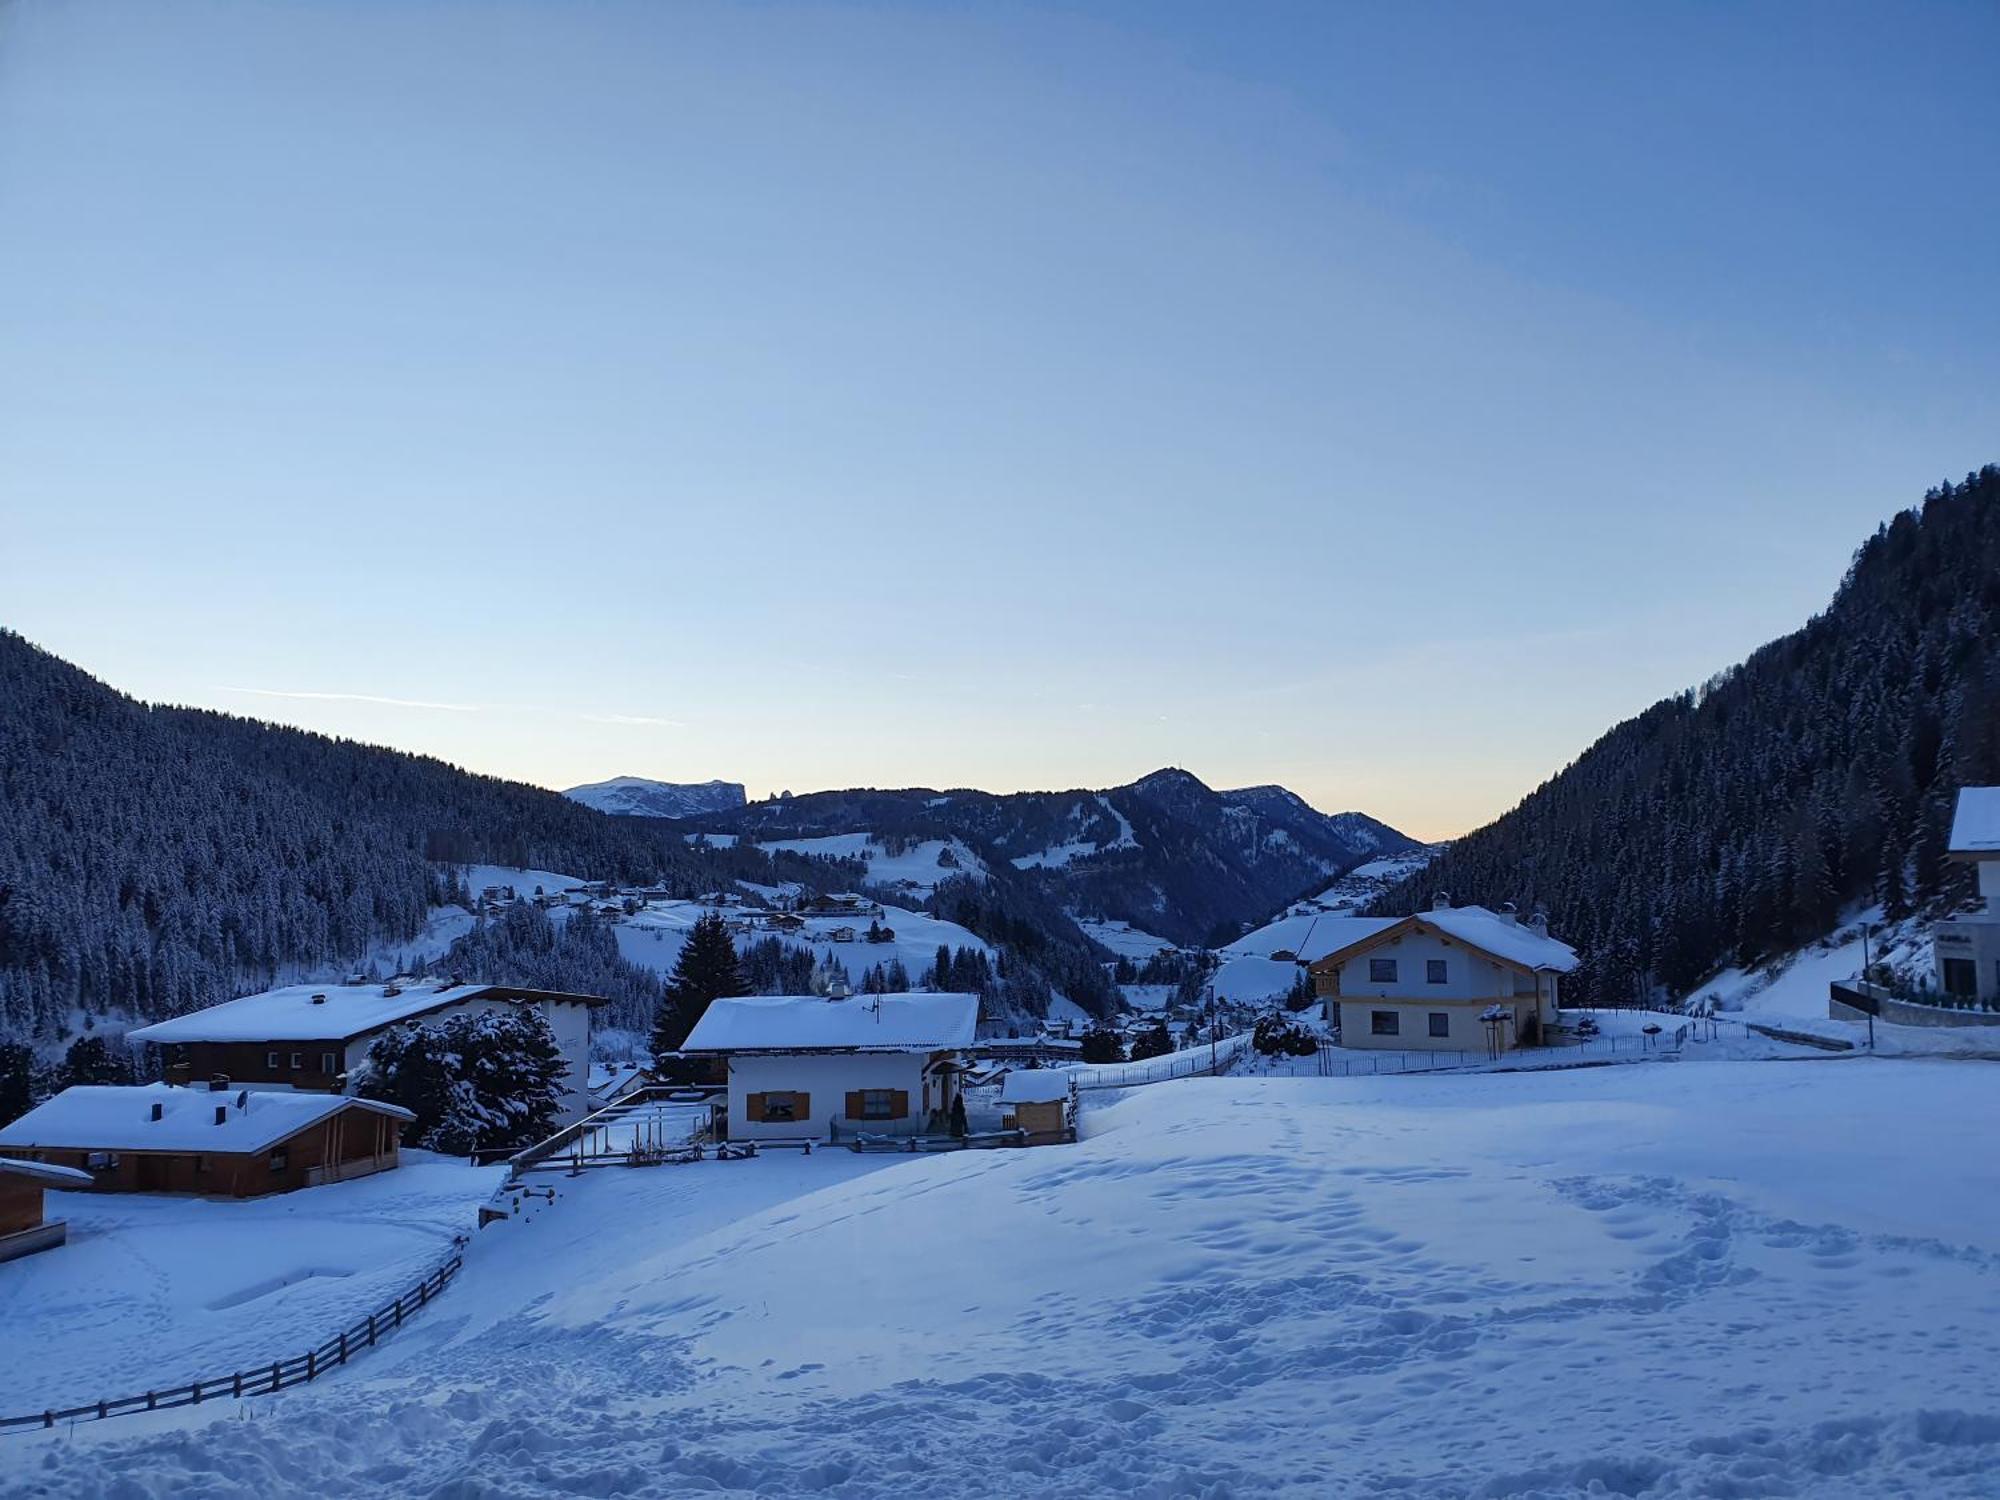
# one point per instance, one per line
(1675, 1281)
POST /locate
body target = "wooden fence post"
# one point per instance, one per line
(277, 1375)
(343, 1346)
(236, 1389)
(312, 1360)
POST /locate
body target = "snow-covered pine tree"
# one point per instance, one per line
(706, 970)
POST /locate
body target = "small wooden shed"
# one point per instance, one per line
(24, 1228)
(1042, 1102)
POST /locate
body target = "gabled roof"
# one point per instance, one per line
(1975, 826)
(1486, 931)
(858, 1023)
(346, 1011)
(119, 1117)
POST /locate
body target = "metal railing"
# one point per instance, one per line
(1336, 1061)
(1192, 1063)
(259, 1380)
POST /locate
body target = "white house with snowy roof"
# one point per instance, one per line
(1966, 945)
(1444, 980)
(814, 1067)
(315, 1037)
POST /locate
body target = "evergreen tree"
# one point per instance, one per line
(1103, 1045)
(706, 970)
(91, 1059)
(1155, 1041)
(17, 1081)
(484, 1080)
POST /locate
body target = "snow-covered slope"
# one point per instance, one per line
(636, 796)
(1666, 1281)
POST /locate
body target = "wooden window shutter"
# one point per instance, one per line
(899, 1104)
(803, 1106)
(856, 1106)
(753, 1106)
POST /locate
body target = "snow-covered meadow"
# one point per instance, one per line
(1673, 1279)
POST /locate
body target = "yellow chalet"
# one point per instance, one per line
(1441, 979)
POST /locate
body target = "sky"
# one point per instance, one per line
(1383, 400)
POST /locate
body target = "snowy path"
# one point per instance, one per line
(1743, 1279)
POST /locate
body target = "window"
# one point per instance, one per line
(1961, 977)
(297, 1062)
(280, 1159)
(1385, 1022)
(1440, 1023)
(329, 1062)
(1381, 971)
(780, 1107)
(878, 1104)
(1434, 971)
(270, 1059)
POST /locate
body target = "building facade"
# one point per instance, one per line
(230, 1143)
(315, 1037)
(1460, 979)
(810, 1067)
(1966, 945)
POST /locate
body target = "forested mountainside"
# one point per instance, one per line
(1165, 853)
(156, 859)
(1734, 821)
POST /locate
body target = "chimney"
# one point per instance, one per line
(221, 1113)
(1441, 901)
(158, 1109)
(1510, 913)
(1540, 921)
(243, 1099)
(319, 999)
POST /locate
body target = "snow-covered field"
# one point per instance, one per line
(154, 1291)
(1123, 938)
(916, 868)
(1732, 1279)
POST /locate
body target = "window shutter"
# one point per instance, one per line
(804, 1106)
(855, 1106)
(753, 1106)
(899, 1104)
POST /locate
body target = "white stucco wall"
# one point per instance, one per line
(828, 1078)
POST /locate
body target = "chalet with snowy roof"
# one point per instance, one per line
(315, 1037)
(225, 1142)
(817, 1068)
(1966, 945)
(1453, 978)
(24, 1226)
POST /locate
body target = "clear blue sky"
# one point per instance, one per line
(1378, 399)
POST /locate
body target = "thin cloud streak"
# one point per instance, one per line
(452, 708)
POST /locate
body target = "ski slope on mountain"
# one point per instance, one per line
(1668, 1280)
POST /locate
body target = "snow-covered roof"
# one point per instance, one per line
(46, 1173)
(1035, 1086)
(289, 1014)
(1477, 927)
(119, 1117)
(1975, 827)
(858, 1023)
(1492, 933)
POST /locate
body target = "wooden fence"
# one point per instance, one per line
(260, 1380)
